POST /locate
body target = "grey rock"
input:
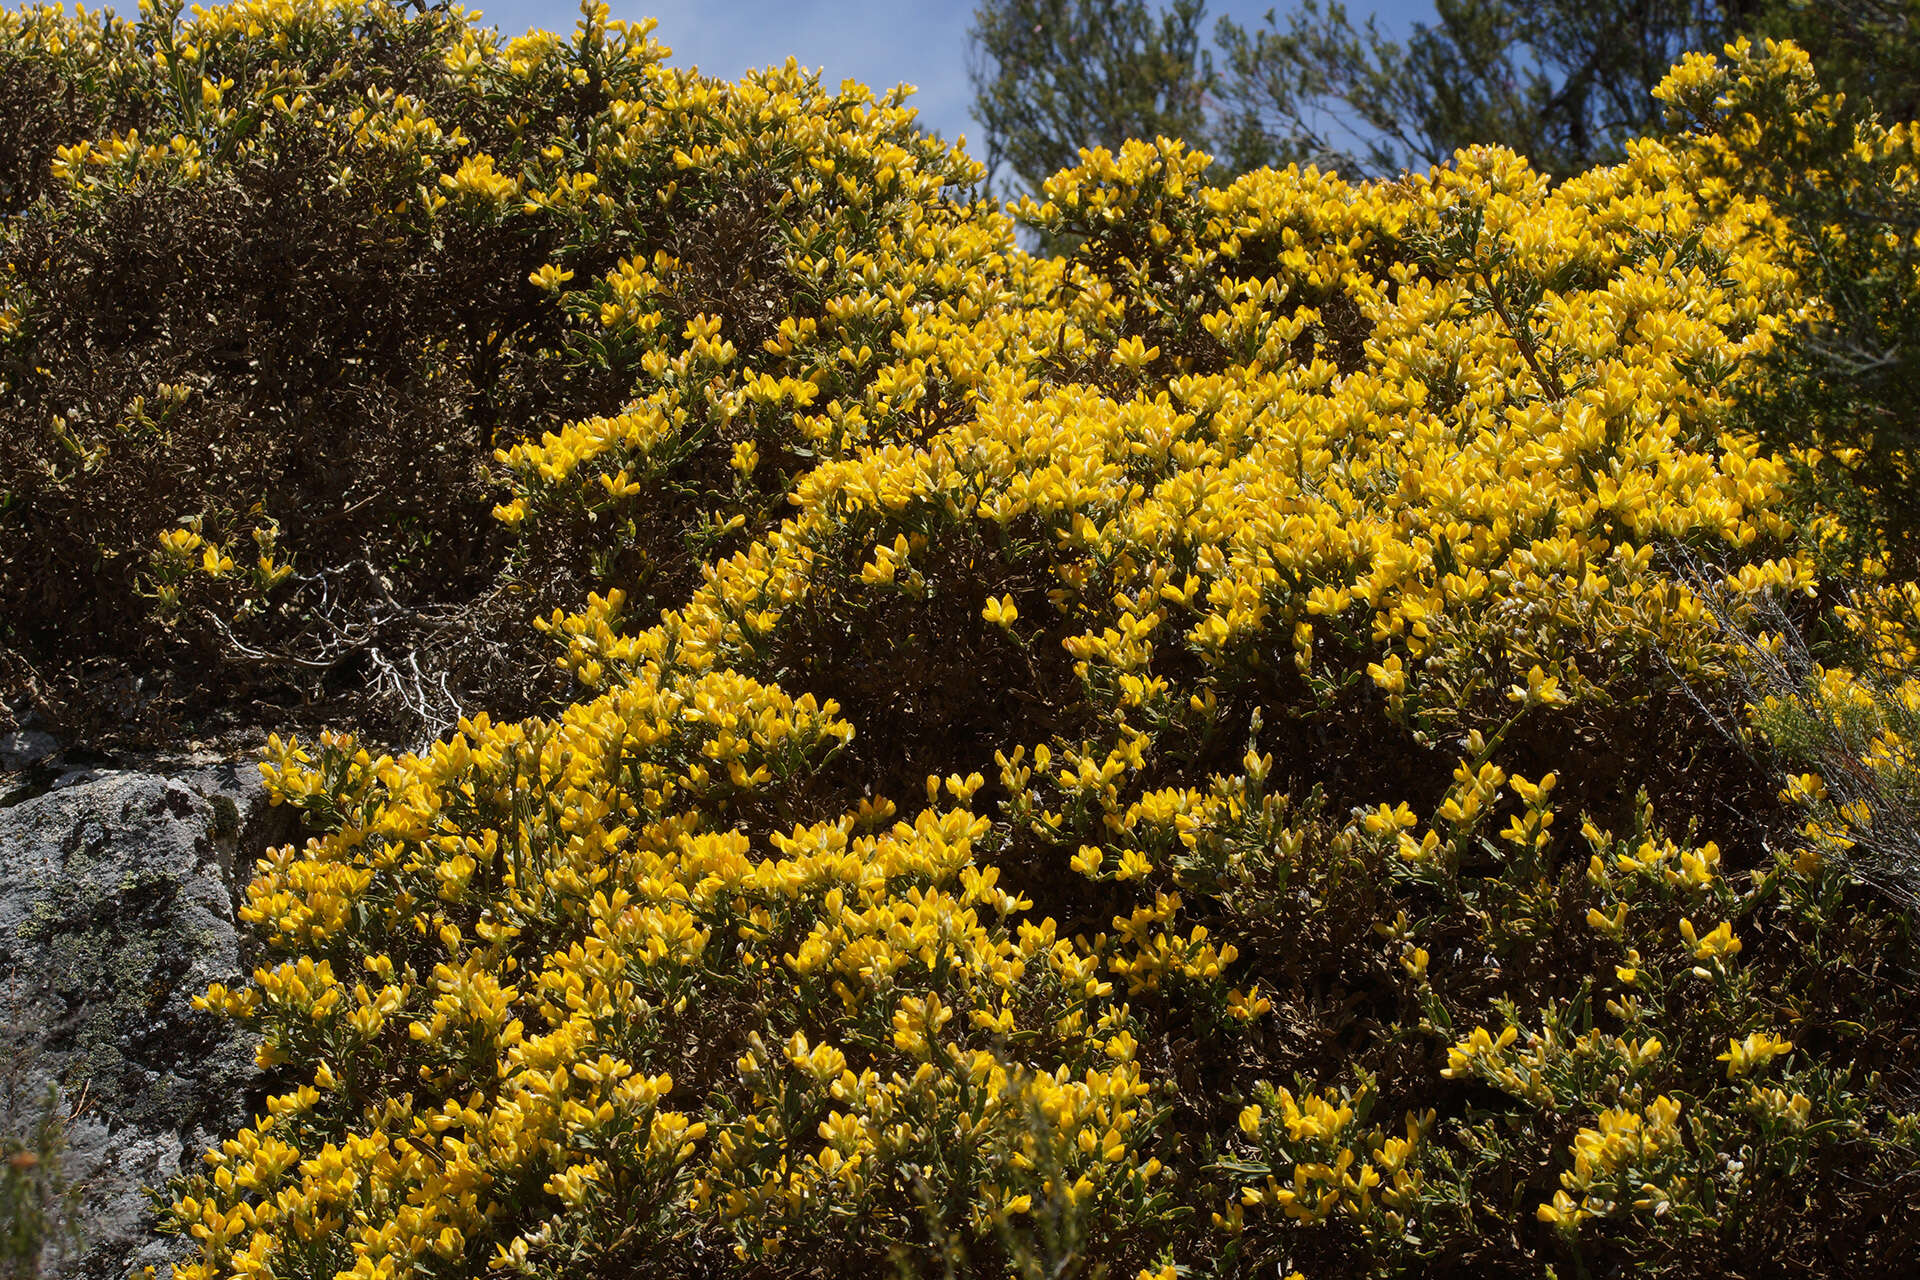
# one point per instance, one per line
(116, 909)
(25, 747)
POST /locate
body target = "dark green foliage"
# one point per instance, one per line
(1052, 76)
(1565, 82)
(1865, 49)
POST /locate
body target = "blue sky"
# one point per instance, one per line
(882, 43)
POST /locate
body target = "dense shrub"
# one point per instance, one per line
(1306, 734)
(283, 277)
(1841, 390)
(1189, 758)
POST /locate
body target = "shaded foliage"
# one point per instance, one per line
(1052, 76)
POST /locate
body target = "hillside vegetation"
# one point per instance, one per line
(1308, 734)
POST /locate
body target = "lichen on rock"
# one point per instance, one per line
(116, 909)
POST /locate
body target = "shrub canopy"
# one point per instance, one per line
(1235, 748)
(285, 276)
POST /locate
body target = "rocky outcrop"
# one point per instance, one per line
(116, 909)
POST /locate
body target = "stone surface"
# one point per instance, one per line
(24, 747)
(116, 909)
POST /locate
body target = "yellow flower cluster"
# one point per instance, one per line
(1527, 1070)
(878, 312)
(1312, 529)
(175, 560)
(1368, 1177)
(610, 835)
(1623, 1148)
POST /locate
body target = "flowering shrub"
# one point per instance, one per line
(1189, 758)
(1839, 390)
(291, 267)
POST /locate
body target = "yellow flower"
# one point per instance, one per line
(1753, 1053)
(1389, 675)
(1562, 1213)
(1717, 943)
(1541, 689)
(180, 543)
(1000, 612)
